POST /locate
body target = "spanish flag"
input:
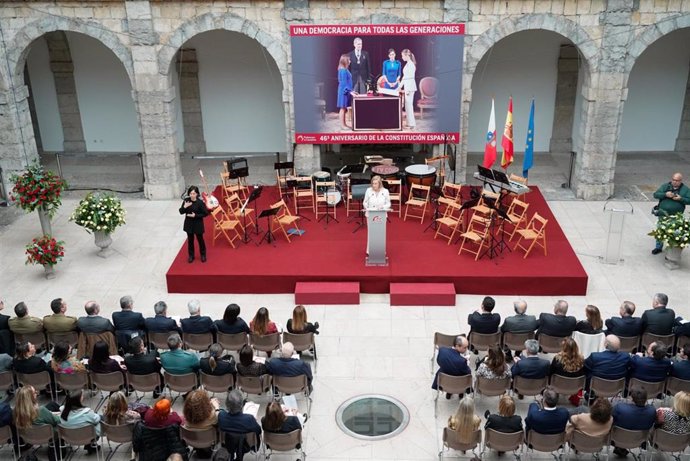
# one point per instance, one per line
(507, 141)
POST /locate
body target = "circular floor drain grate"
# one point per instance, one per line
(372, 417)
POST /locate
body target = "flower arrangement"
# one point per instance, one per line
(673, 230)
(37, 188)
(45, 251)
(99, 211)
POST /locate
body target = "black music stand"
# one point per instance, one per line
(268, 236)
(255, 193)
(439, 193)
(328, 216)
(495, 246)
(294, 184)
(282, 168)
(360, 212)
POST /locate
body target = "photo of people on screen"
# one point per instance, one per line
(392, 71)
(359, 67)
(345, 92)
(408, 86)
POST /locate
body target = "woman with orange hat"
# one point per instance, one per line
(159, 415)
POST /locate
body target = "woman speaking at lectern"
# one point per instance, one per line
(194, 209)
(376, 197)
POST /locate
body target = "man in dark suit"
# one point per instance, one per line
(547, 418)
(139, 362)
(285, 365)
(360, 67)
(520, 322)
(235, 422)
(626, 325)
(483, 320)
(160, 323)
(681, 365)
(94, 323)
(654, 368)
(530, 365)
(609, 363)
(127, 322)
(635, 416)
(558, 324)
(6, 337)
(197, 323)
(452, 361)
(659, 320)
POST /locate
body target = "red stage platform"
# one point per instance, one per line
(334, 253)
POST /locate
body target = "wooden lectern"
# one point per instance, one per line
(376, 238)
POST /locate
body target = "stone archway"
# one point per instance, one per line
(651, 34)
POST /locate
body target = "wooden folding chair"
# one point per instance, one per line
(233, 186)
(484, 209)
(234, 203)
(303, 195)
(452, 190)
(535, 231)
(477, 234)
(394, 187)
(322, 206)
(284, 218)
(351, 205)
(223, 225)
(282, 179)
(520, 180)
(451, 219)
(418, 200)
(517, 213)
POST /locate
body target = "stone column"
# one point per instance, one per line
(307, 157)
(154, 96)
(32, 111)
(66, 89)
(566, 90)
(603, 97)
(683, 139)
(190, 101)
(459, 11)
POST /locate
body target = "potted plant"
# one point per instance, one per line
(100, 213)
(40, 190)
(674, 231)
(45, 251)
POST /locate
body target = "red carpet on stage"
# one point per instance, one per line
(334, 253)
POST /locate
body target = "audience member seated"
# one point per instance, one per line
(677, 419)
(27, 362)
(558, 324)
(568, 362)
(6, 340)
(596, 423)
(493, 365)
(216, 363)
(465, 421)
(298, 323)
(609, 363)
(247, 365)
(261, 324)
(483, 320)
(74, 415)
(62, 360)
(235, 422)
(141, 362)
(159, 415)
(545, 417)
(23, 323)
(593, 324)
(530, 365)
(199, 410)
(635, 416)
(94, 323)
(626, 325)
(5, 362)
(285, 365)
(128, 323)
(681, 364)
(177, 361)
(196, 323)
(506, 420)
(231, 323)
(58, 322)
(520, 322)
(100, 361)
(452, 361)
(682, 327)
(117, 411)
(276, 421)
(161, 323)
(654, 367)
(27, 412)
(659, 320)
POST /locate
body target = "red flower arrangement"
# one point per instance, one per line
(45, 251)
(38, 188)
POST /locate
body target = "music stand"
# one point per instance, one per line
(439, 193)
(253, 195)
(282, 168)
(268, 236)
(361, 191)
(294, 184)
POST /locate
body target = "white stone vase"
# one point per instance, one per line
(45, 221)
(672, 258)
(49, 272)
(103, 241)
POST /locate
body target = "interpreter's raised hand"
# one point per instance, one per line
(187, 204)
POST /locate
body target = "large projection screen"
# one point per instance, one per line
(316, 56)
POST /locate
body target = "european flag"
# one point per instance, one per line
(529, 143)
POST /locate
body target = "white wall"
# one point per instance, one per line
(108, 115)
(45, 98)
(241, 94)
(656, 89)
(523, 65)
